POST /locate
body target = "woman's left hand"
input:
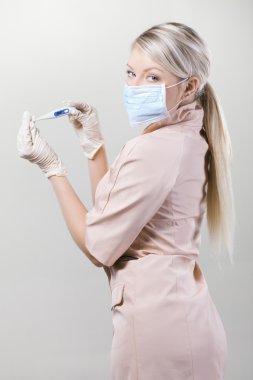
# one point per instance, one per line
(33, 147)
(87, 127)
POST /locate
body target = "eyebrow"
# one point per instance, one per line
(149, 68)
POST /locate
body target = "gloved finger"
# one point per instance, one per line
(79, 118)
(24, 138)
(24, 135)
(80, 106)
(34, 131)
(76, 119)
(25, 124)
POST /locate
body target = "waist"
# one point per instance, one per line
(187, 257)
(165, 268)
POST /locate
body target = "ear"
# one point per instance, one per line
(192, 86)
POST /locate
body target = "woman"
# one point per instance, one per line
(144, 227)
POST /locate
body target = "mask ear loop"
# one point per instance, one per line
(175, 84)
(181, 99)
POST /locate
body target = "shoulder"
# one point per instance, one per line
(157, 144)
(152, 156)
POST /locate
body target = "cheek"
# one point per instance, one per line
(172, 97)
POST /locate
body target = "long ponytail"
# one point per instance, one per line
(220, 197)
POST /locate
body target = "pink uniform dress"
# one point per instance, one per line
(145, 229)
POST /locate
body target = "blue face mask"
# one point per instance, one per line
(147, 104)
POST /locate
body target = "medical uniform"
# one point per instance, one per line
(145, 229)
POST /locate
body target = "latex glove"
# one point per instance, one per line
(87, 127)
(33, 147)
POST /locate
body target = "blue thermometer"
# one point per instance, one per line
(58, 113)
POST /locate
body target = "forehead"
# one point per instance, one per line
(139, 59)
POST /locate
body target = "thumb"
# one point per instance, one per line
(24, 129)
(80, 106)
(24, 140)
(30, 131)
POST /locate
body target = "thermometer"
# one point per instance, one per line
(58, 113)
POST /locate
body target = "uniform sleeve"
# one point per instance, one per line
(130, 193)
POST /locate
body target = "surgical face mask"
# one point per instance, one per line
(147, 103)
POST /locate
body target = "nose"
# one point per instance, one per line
(135, 82)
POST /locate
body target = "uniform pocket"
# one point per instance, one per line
(117, 295)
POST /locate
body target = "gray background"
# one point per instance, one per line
(55, 318)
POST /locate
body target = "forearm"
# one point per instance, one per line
(98, 166)
(74, 212)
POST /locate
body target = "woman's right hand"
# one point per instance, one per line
(33, 147)
(87, 127)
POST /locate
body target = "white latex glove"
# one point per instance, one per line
(33, 147)
(87, 127)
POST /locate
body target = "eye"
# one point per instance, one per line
(154, 76)
(128, 72)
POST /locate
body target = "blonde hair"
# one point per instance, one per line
(181, 51)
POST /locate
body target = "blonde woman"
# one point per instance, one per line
(144, 226)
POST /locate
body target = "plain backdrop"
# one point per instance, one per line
(55, 318)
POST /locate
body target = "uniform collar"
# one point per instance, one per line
(189, 114)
